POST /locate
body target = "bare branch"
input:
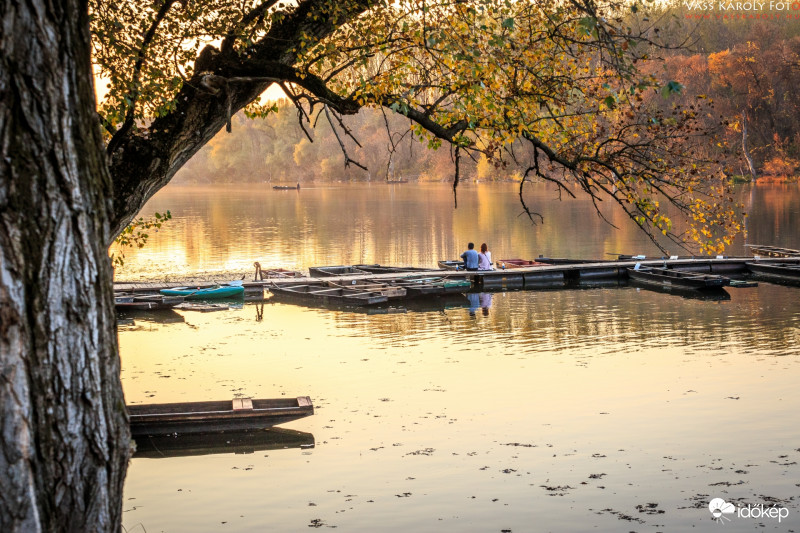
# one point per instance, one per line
(347, 159)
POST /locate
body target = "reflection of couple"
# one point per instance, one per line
(479, 299)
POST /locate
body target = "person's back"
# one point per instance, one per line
(470, 257)
(485, 258)
(484, 263)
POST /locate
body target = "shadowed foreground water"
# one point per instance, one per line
(602, 409)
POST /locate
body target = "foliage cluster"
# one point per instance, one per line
(136, 234)
(569, 80)
(750, 73)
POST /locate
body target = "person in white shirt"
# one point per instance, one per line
(485, 258)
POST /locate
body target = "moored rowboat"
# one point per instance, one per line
(667, 277)
(452, 265)
(786, 272)
(272, 273)
(145, 302)
(380, 269)
(391, 291)
(208, 293)
(431, 286)
(330, 271)
(211, 417)
(320, 292)
(517, 263)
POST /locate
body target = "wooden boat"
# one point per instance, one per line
(451, 265)
(207, 293)
(213, 417)
(516, 263)
(380, 269)
(392, 292)
(772, 251)
(396, 182)
(785, 272)
(431, 286)
(239, 442)
(319, 292)
(667, 277)
(274, 273)
(145, 302)
(566, 261)
(286, 187)
(329, 271)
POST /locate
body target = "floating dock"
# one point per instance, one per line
(551, 276)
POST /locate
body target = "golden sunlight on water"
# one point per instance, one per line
(604, 409)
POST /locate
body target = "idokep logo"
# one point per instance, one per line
(719, 508)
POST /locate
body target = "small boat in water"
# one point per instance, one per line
(286, 187)
(322, 293)
(773, 251)
(451, 265)
(233, 290)
(330, 271)
(380, 269)
(517, 263)
(212, 417)
(431, 286)
(567, 261)
(145, 302)
(274, 273)
(667, 277)
(391, 291)
(784, 272)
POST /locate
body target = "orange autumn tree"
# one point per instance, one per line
(564, 78)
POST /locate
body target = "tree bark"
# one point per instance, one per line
(65, 441)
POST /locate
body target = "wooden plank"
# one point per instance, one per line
(242, 404)
(303, 401)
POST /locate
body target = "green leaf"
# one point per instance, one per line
(671, 88)
(588, 25)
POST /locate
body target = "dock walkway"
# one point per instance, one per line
(527, 277)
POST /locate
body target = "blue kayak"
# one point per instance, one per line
(227, 291)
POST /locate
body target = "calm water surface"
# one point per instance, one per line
(600, 409)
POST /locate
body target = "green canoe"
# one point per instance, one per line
(226, 291)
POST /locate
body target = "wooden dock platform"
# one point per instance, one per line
(528, 277)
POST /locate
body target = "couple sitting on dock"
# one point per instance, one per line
(475, 261)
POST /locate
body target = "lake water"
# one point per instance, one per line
(600, 409)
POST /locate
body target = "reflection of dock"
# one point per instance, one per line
(556, 275)
(154, 447)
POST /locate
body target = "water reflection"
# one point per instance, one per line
(690, 294)
(441, 418)
(237, 442)
(129, 318)
(224, 230)
(479, 300)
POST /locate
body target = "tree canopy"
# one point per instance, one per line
(571, 80)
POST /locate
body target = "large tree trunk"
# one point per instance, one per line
(64, 442)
